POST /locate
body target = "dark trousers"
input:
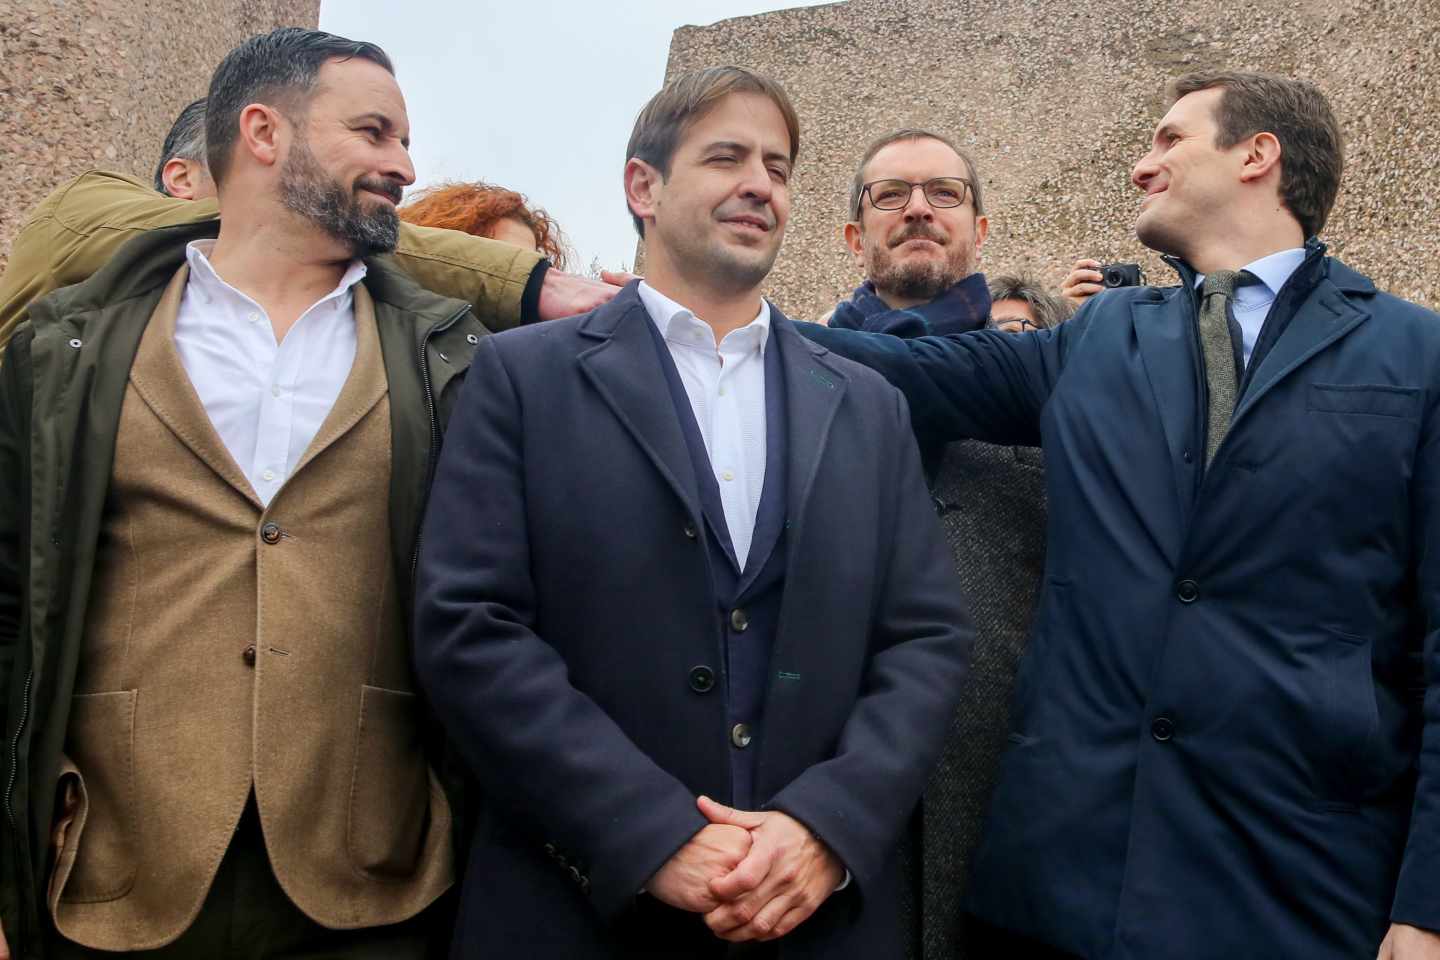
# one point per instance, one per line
(247, 916)
(984, 942)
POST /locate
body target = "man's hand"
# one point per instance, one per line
(784, 878)
(1409, 943)
(1084, 281)
(684, 880)
(4, 947)
(564, 294)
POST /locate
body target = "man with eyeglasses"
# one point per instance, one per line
(917, 226)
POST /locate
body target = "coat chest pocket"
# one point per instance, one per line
(1373, 400)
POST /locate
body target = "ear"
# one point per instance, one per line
(643, 188)
(1261, 157)
(261, 133)
(179, 180)
(982, 230)
(854, 237)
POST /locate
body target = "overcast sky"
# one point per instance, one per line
(535, 95)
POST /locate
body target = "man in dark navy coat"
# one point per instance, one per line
(683, 602)
(1226, 734)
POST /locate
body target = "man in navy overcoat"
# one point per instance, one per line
(675, 551)
(1226, 733)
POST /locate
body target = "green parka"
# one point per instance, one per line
(62, 383)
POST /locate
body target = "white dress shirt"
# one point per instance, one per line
(266, 400)
(726, 387)
(1253, 301)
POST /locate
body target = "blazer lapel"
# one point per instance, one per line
(1324, 317)
(1166, 345)
(813, 391)
(363, 388)
(161, 381)
(624, 369)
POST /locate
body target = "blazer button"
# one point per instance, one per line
(270, 532)
(249, 656)
(1162, 728)
(702, 679)
(738, 621)
(1188, 591)
(690, 532)
(740, 735)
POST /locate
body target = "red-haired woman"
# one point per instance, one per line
(483, 210)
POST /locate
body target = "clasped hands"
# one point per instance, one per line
(755, 876)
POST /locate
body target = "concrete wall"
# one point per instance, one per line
(1057, 100)
(97, 83)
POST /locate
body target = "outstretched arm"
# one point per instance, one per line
(985, 384)
(82, 224)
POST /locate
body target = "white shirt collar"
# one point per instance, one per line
(210, 285)
(667, 314)
(1272, 270)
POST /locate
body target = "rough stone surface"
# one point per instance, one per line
(1057, 99)
(97, 83)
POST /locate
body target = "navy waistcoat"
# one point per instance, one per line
(746, 602)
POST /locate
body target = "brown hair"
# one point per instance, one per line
(475, 208)
(910, 133)
(686, 99)
(1049, 310)
(1312, 152)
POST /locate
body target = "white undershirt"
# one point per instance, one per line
(266, 400)
(726, 387)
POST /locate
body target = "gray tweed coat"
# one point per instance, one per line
(991, 501)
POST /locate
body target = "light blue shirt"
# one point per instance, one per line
(1253, 301)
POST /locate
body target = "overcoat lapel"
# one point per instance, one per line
(161, 381)
(1324, 318)
(813, 391)
(625, 371)
(1167, 349)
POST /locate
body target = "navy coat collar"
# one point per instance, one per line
(1332, 301)
(624, 369)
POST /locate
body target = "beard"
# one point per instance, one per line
(306, 189)
(919, 280)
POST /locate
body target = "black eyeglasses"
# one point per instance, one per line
(895, 194)
(1011, 324)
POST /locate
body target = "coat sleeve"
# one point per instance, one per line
(75, 230)
(985, 385)
(1416, 902)
(14, 506)
(921, 639)
(540, 748)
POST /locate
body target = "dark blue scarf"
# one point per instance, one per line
(965, 306)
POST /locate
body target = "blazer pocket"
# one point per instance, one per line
(97, 858)
(390, 786)
(1375, 400)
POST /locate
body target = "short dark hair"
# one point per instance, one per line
(912, 133)
(185, 141)
(684, 101)
(279, 67)
(1312, 151)
(1049, 310)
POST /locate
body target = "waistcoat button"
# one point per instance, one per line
(249, 655)
(690, 531)
(740, 735)
(702, 679)
(738, 620)
(270, 533)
